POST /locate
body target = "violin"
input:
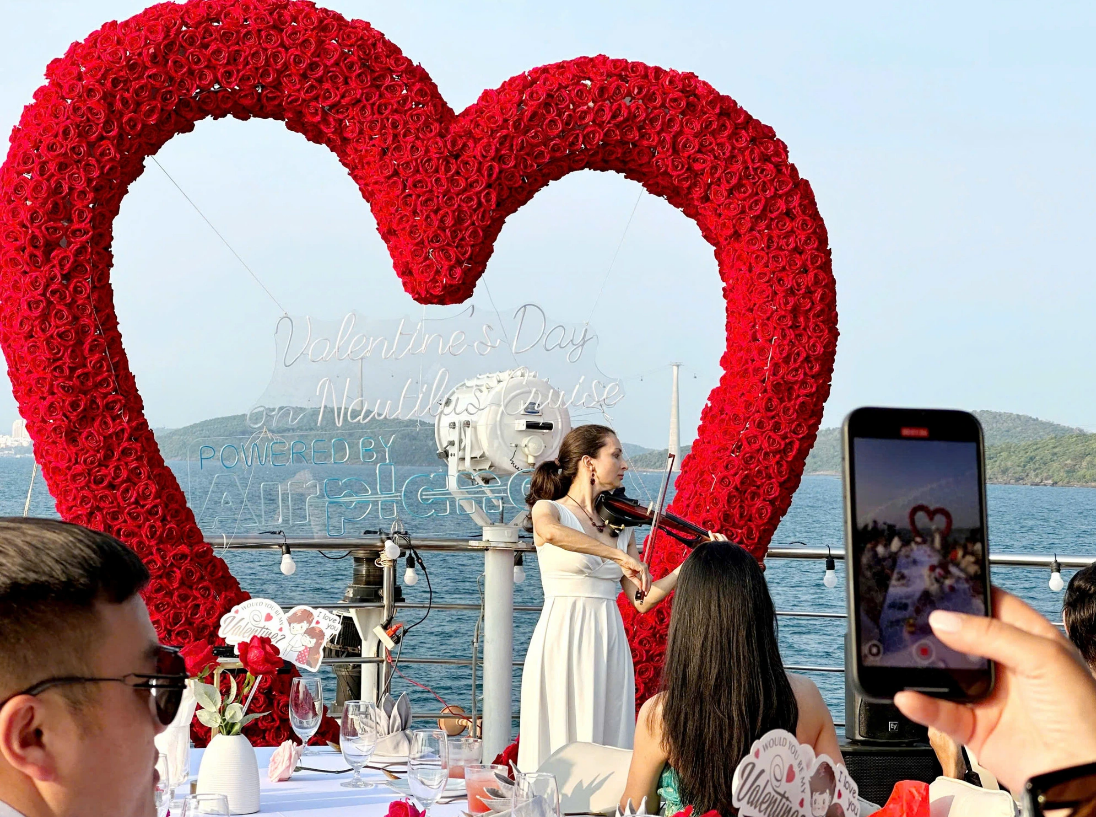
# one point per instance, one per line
(619, 511)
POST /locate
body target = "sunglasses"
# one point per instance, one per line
(1067, 791)
(166, 685)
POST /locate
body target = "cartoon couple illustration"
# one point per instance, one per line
(305, 646)
(823, 786)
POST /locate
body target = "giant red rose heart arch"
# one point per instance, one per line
(440, 186)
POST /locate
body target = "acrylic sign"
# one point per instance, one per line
(781, 777)
(299, 634)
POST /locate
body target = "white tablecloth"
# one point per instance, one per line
(314, 794)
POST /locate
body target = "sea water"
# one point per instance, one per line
(1022, 519)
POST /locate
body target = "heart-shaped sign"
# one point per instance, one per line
(440, 185)
(931, 513)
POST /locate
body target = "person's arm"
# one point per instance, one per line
(648, 758)
(1041, 715)
(658, 590)
(548, 528)
(814, 716)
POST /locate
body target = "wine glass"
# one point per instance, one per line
(305, 708)
(535, 795)
(358, 739)
(428, 766)
(164, 789)
(196, 805)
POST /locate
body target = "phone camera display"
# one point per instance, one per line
(920, 544)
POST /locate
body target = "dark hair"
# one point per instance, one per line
(1079, 612)
(553, 478)
(300, 617)
(823, 779)
(721, 654)
(52, 575)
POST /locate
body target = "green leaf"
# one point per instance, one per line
(232, 687)
(232, 729)
(234, 713)
(208, 718)
(208, 696)
(251, 718)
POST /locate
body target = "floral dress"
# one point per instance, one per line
(668, 793)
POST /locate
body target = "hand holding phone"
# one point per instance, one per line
(915, 542)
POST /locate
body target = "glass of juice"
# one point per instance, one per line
(464, 752)
(477, 778)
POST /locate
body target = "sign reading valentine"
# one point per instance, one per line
(299, 634)
(782, 777)
(362, 369)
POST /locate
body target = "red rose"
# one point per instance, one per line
(508, 755)
(403, 808)
(259, 656)
(199, 657)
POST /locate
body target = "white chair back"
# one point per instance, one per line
(590, 777)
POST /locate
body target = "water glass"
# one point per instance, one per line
(428, 766)
(358, 739)
(203, 804)
(163, 790)
(535, 795)
(477, 779)
(463, 752)
(305, 708)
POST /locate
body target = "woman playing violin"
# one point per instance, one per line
(578, 683)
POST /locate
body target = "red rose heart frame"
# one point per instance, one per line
(440, 185)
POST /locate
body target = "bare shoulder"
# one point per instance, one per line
(804, 688)
(649, 718)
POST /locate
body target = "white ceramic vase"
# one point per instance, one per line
(229, 767)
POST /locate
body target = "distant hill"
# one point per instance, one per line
(413, 443)
(1019, 450)
(655, 460)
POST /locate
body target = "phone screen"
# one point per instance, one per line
(920, 543)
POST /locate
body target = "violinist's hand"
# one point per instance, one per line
(717, 537)
(636, 571)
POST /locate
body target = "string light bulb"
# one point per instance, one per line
(519, 568)
(410, 577)
(1056, 584)
(288, 566)
(391, 550)
(830, 579)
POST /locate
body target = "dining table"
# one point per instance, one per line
(316, 790)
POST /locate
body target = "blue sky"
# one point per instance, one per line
(950, 147)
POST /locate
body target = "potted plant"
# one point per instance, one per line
(229, 766)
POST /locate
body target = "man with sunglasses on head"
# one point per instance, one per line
(84, 684)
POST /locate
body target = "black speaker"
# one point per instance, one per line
(875, 723)
(877, 768)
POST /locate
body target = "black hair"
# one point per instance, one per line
(721, 650)
(52, 576)
(1079, 612)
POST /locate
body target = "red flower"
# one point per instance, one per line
(199, 657)
(403, 808)
(259, 656)
(508, 755)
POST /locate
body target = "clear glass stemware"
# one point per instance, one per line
(427, 766)
(305, 708)
(164, 788)
(358, 739)
(200, 805)
(535, 795)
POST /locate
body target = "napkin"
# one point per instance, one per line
(393, 723)
(633, 811)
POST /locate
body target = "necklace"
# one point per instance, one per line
(599, 528)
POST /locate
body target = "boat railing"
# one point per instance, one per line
(364, 546)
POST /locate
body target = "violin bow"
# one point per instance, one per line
(657, 515)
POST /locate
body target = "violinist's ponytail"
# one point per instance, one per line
(547, 483)
(553, 478)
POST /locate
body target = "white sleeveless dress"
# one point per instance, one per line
(578, 683)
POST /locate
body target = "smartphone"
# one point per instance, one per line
(915, 541)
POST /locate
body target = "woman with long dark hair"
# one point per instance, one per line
(723, 687)
(578, 683)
